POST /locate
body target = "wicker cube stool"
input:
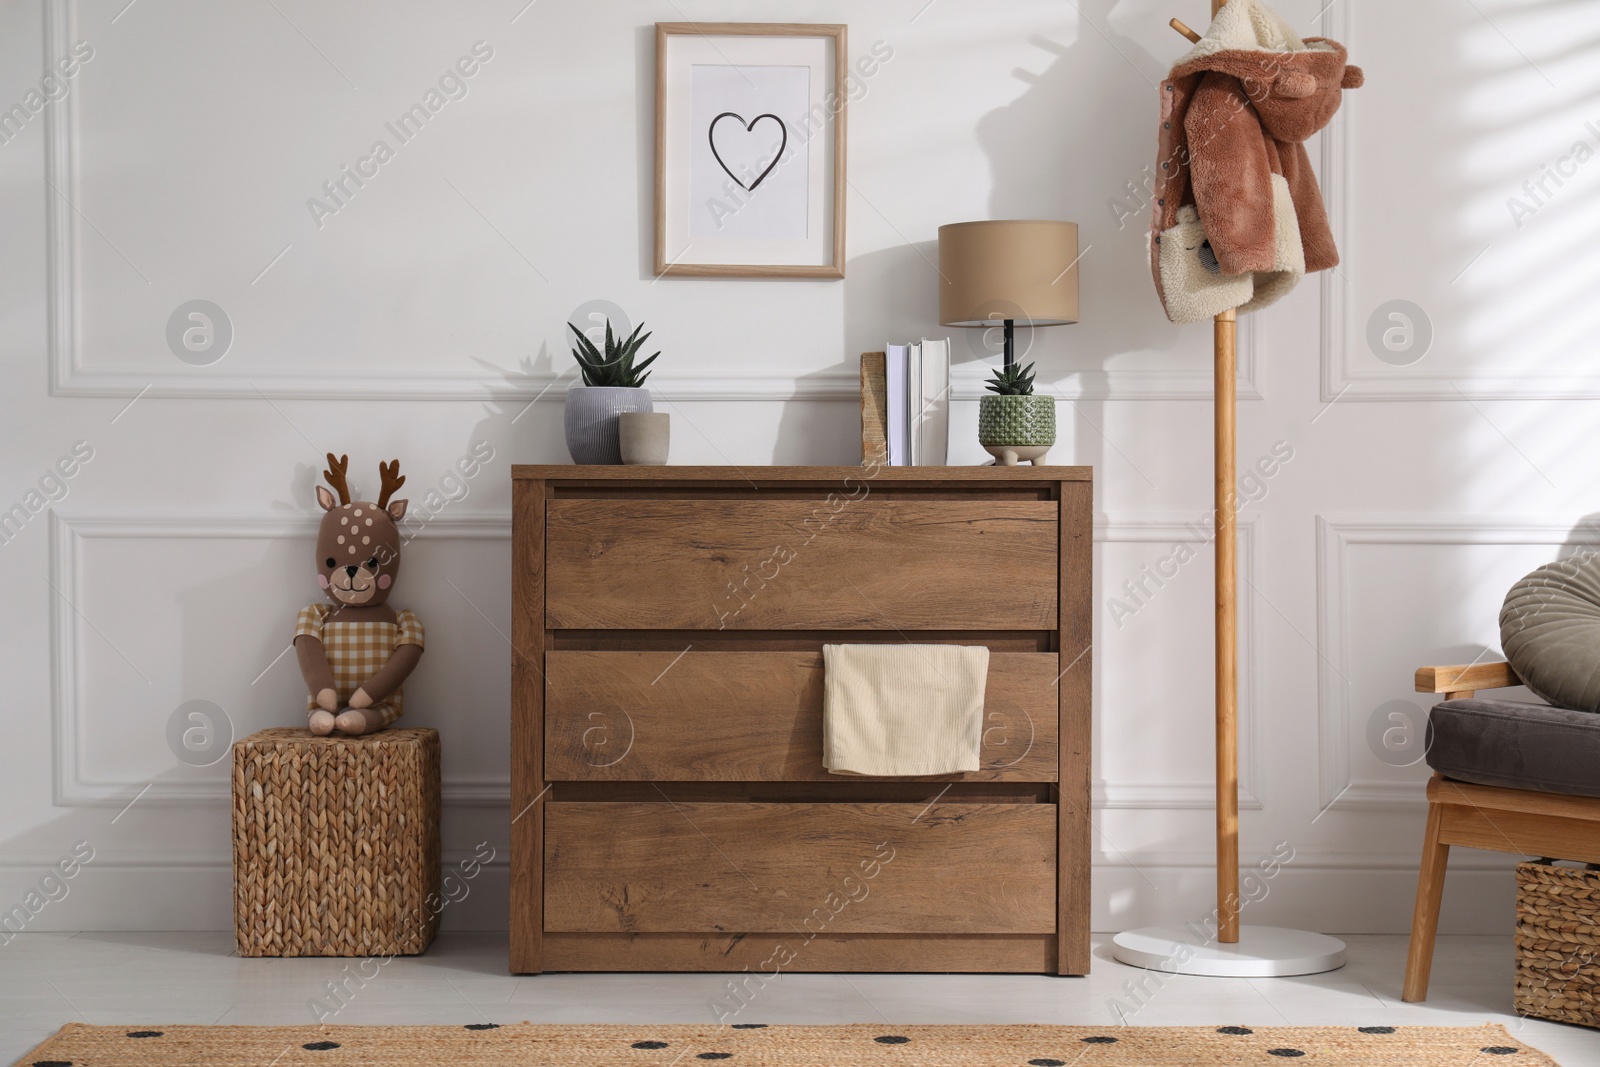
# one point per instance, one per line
(335, 843)
(1558, 943)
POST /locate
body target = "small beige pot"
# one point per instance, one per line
(644, 436)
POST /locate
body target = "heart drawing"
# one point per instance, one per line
(748, 130)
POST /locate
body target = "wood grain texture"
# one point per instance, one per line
(918, 791)
(527, 725)
(842, 479)
(1465, 678)
(1075, 698)
(1425, 914)
(797, 564)
(958, 914)
(841, 62)
(1226, 546)
(874, 409)
(754, 716)
(974, 953)
(1522, 834)
(1494, 798)
(676, 641)
(786, 868)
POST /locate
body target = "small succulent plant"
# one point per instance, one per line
(1015, 380)
(614, 367)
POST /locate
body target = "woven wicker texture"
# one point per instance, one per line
(335, 843)
(1558, 943)
(486, 1045)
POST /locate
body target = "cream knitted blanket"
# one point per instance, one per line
(902, 709)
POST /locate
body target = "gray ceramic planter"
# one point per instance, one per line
(591, 421)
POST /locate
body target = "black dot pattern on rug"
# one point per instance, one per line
(714, 1056)
(52, 1063)
(1376, 1029)
(1286, 1053)
(1499, 1050)
(649, 1044)
(482, 1026)
(1235, 1031)
(1099, 1039)
(144, 1033)
(1043, 1062)
(749, 1026)
(891, 1039)
(320, 1046)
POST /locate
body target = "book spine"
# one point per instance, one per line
(936, 393)
(874, 409)
(895, 393)
(914, 410)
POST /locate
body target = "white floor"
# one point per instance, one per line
(155, 978)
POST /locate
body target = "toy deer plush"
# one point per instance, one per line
(356, 651)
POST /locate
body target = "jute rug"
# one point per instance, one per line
(525, 1044)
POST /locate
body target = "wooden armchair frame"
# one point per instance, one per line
(1517, 821)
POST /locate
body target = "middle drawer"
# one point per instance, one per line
(756, 717)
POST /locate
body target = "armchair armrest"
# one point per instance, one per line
(1458, 683)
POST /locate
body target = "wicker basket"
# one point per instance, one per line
(1558, 943)
(335, 843)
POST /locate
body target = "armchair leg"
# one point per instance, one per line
(1425, 920)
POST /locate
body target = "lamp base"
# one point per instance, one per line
(1261, 952)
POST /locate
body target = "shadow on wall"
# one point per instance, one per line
(1583, 539)
(1080, 139)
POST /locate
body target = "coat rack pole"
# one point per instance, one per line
(1224, 341)
(1227, 640)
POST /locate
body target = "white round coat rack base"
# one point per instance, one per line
(1261, 952)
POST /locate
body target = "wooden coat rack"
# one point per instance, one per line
(1225, 344)
(1256, 951)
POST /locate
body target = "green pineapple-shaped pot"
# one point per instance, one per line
(1016, 425)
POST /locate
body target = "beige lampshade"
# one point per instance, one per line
(1025, 270)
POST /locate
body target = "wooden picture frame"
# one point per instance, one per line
(761, 210)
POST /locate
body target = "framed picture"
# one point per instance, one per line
(750, 149)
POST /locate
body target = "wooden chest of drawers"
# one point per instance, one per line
(670, 810)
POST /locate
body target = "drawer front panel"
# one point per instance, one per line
(790, 564)
(755, 717)
(808, 868)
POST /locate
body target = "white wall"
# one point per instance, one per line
(428, 312)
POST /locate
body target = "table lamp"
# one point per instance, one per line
(1008, 272)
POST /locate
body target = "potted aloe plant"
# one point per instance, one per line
(612, 384)
(1015, 425)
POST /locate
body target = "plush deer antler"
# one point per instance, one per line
(392, 480)
(335, 476)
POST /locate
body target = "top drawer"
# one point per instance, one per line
(793, 564)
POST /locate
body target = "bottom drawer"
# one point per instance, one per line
(809, 869)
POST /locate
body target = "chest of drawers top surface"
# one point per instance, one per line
(756, 476)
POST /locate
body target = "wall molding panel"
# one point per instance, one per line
(1342, 376)
(1168, 529)
(72, 788)
(1338, 787)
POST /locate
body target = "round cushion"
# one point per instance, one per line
(1550, 631)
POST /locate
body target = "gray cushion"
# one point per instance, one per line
(1516, 744)
(1550, 630)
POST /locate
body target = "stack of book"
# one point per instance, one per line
(905, 404)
